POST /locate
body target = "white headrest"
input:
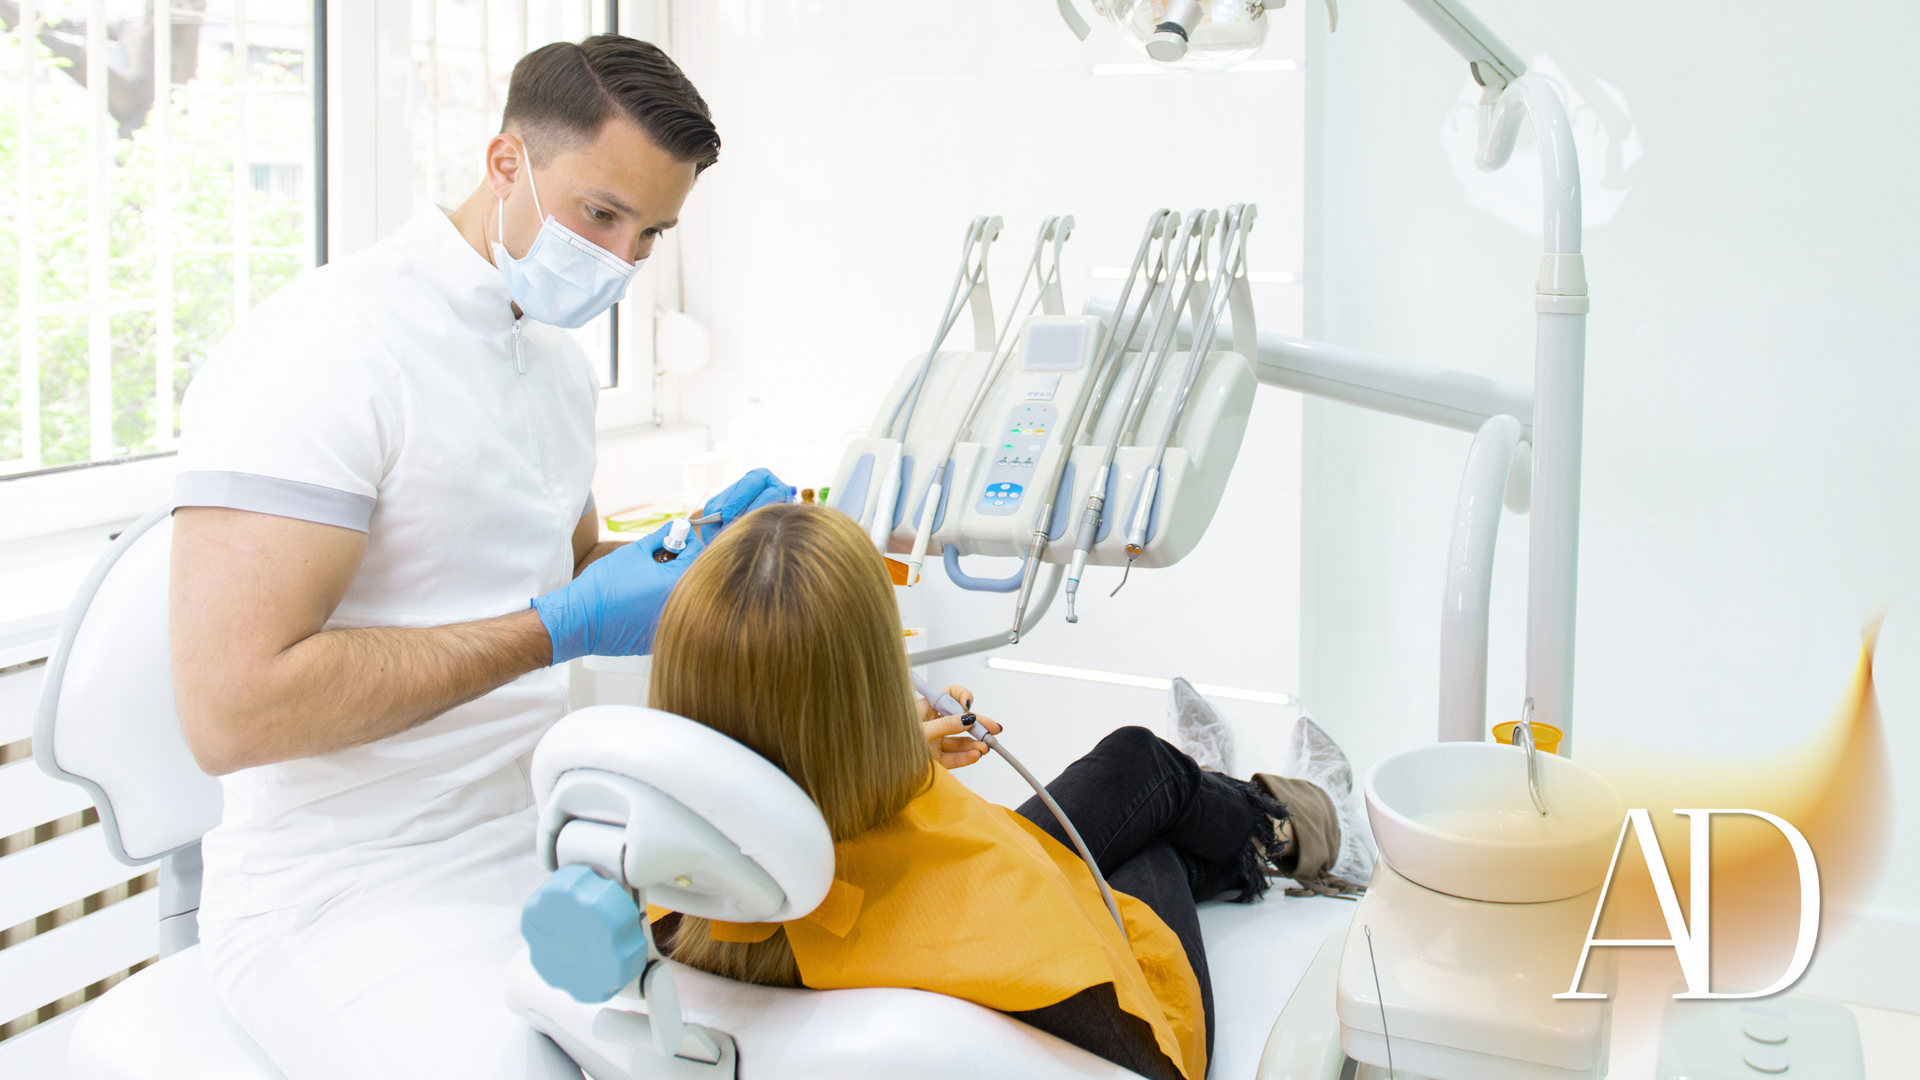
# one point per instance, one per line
(106, 713)
(744, 797)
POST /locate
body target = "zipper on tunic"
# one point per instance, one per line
(519, 366)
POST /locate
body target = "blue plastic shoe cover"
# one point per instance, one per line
(583, 934)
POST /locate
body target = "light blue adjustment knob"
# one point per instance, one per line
(583, 934)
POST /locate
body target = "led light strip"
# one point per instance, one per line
(1256, 277)
(1144, 682)
(1249, 67)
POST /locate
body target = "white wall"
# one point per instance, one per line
(1749, 481)
(859, 137)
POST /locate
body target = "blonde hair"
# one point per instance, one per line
(785, 637)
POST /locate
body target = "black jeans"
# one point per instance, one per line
(1168, 834)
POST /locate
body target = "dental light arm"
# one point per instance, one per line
(1493, 64)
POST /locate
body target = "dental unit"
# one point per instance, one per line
(1008, 496)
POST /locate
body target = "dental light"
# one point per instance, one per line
(1201, 36)
(1193, 36)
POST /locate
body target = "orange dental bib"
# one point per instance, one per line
(962, 897)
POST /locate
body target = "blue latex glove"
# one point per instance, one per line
(749, 493)
(612, 607)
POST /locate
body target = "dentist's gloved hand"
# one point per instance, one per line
(612, 607)
(749, 493)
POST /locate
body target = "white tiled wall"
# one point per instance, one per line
(859, 137)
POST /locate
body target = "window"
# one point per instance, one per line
(154, 186)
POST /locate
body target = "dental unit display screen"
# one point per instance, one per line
(1014, 456)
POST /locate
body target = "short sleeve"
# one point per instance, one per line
(293, 416)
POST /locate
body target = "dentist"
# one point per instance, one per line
(383, 464)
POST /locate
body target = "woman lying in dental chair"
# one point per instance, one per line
(785, 637)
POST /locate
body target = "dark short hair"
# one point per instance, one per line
(562, 94)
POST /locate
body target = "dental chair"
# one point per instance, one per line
(107, 723)
(634, 804)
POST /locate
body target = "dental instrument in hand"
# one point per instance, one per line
(1233, 258)
(1036, 549)
(675, 541)
(944, 704)
(1056, 229)
(980, 235)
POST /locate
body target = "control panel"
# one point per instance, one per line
(1014, 455)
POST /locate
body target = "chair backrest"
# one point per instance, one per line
(703, 824)
(107, 720)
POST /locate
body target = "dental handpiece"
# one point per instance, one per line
(1160, 224)
(1164, 224)
(944, 704)
(1233, 253)
(1154, 358)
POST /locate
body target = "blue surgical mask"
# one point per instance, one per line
(564, 279)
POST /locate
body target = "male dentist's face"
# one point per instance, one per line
(619, 191)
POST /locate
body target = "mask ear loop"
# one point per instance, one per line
(500, 205)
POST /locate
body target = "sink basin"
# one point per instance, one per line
(1455, 818)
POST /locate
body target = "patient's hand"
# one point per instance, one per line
(945, 738)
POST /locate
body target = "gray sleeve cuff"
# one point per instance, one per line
(587, 510)
(272, 495)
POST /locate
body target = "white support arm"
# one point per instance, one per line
(1464, 609)
(1559, 387)
(1417, 391)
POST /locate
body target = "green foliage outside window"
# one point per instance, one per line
(206, 148)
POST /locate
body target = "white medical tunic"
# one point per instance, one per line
(392, 393)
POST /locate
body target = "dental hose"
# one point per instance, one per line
(944, 704)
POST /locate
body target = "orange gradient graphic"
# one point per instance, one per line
(1836, 788)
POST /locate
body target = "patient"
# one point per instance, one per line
(785, 637)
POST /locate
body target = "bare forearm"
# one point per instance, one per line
(344, 688)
